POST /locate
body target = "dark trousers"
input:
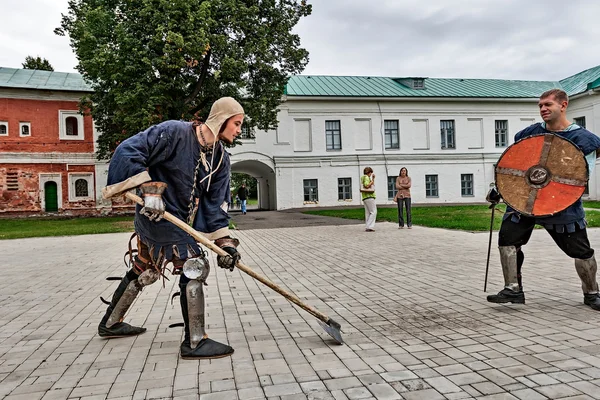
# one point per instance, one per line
(401, 203)
(575, 245)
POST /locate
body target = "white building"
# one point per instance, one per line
(447, 132)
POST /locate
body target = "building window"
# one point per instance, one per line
(70, 125)
(81, 186)
(333, 135)
(391, 187)
(344, 188)
(247, 132)
(418, 83)
(392, 137)
(3, 128)
(311, 190)
(24, 128)
(447, 130)
(431, 186)
(466, 184)
(501, 133)
(580, 121)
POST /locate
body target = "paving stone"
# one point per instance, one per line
(409, 343)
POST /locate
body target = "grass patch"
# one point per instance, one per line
(591, 204)
(24, 228)
(467, 218)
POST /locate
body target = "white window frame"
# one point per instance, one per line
(467, 184)
(579, 120)
(391, 187)
(62, 125)
(501, 132)
(448, 131)
(342, 186)
(21, 125)
(392, 133)
(73, 177)
(432, 185)
(5, 124)
(304, 193)
(333, 133)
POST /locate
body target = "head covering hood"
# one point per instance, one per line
(221, 111)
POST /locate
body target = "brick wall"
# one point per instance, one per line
(27, 197)
(44, 118)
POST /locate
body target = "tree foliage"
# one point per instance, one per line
(153, 60)
(37, 63)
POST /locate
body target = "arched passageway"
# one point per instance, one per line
(261, 169)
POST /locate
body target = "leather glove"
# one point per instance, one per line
(154, 206)
(229, 245)
(493, 196)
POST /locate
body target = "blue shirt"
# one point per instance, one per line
(170, 152)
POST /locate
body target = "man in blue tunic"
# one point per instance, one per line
(183, 168)
(567, 228)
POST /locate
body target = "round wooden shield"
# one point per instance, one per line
(541, 175)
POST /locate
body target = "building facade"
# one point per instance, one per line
(448, 133)
(47, 162)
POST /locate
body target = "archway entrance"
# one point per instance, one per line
(51, 196)
(265, 177)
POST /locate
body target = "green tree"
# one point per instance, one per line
(153, 60)
(37, 63)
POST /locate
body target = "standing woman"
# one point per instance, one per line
(367, 189)
(403, 184)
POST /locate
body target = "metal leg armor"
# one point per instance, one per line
(196, 344)
(513, 291)
(586, 269)
(112, 324)
(195, 309)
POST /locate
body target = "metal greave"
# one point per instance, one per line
(195, 312)
(586, 269)
(508, 259)
(122, 299)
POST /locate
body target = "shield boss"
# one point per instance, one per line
(541, 175)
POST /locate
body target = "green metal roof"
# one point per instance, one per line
(585, 80)
(369, 86)
(366, 86)
(42, 80)
(348, 86)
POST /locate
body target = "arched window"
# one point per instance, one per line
(81, 188)
(71, 126)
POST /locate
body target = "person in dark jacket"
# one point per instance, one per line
(183, 168)
(567, 228)
(243, 195)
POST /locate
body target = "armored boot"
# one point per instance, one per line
(196, 344)
(586, 269)
(513, 290)
(112, 325)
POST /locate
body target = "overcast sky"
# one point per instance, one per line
(505, 39)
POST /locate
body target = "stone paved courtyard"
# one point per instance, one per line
(410, 302)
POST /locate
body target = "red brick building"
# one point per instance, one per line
(47, 162)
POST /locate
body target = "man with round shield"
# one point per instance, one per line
(567, 227)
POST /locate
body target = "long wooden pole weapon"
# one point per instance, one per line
(330, 326)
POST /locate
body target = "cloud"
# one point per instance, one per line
(505, 39)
